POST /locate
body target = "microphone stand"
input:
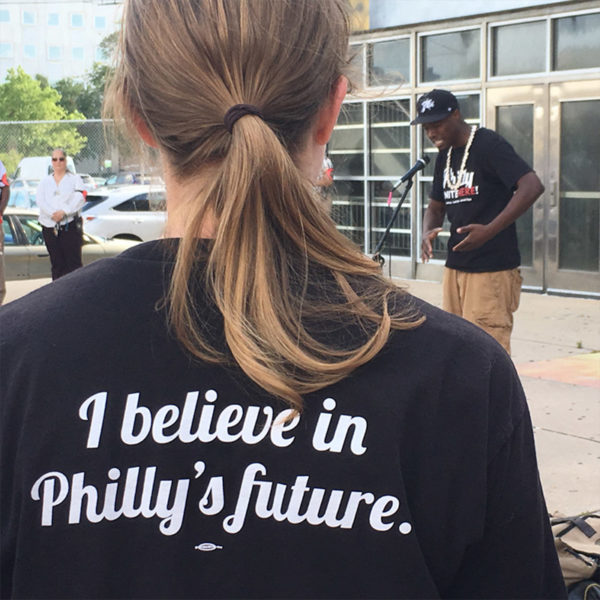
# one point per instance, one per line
(376, 255)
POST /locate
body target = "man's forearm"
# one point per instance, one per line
(529, 189)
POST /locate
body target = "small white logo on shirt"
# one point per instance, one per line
(207, 547)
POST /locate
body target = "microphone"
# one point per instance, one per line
(418, 166)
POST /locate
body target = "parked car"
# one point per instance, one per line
(131, 177)
(134, 212)
(25, 254)
(22, 193)
(88, 182)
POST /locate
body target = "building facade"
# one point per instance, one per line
(56, 39)
(532, 74)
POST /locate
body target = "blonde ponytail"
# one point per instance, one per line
(277, 269)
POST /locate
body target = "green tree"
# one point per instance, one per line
(86, 96)
(97, 77)
(22, 98)
(108, 45)
(70, 91)
(43, 80)
(10, 160)
(94, 94)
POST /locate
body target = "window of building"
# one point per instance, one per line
(346, 151)
(389, 137)
(77, 53)
(76, 20)
(389, 62)
(6, 50)
(100, 22)
(4, 16)
(29, 51)
(576, 42)
(519, 48)
(357, 64)
(100, 55)
(348, 209)
(448, 56)
(53, 19)
(54, 52)
(28, 17)
(346, 147)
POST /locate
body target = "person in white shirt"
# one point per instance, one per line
(60, 197)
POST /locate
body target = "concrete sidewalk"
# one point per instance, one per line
(556, 349)
(555, 346)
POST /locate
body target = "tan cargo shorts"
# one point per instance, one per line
(486, 299)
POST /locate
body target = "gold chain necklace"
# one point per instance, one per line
(452, 180)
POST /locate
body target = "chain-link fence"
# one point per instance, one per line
(96, 146)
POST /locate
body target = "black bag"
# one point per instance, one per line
(585, 590)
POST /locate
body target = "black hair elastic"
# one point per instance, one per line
(237, 111)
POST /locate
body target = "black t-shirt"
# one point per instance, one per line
(131, 471)
(492, 171)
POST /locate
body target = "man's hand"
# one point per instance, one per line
(529, 188)
(477, 236)
(428, 237)
(58, 215)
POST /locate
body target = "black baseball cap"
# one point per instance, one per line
(435, 106)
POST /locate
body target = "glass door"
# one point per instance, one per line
(574, 184)
(519, 114)
(554, 128)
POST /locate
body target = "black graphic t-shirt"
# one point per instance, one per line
(491, 174)
(130, 470)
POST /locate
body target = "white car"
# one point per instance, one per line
(131, 212)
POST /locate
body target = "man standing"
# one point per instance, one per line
(483, 186)
(4, 196)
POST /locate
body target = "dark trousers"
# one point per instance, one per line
(64, 248)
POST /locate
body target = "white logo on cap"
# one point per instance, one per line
(428, 104)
